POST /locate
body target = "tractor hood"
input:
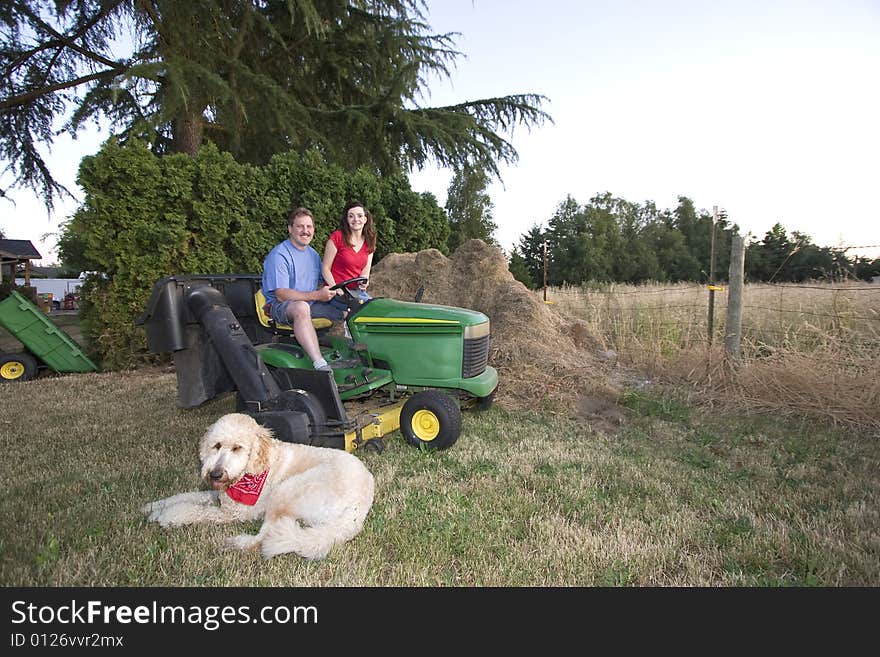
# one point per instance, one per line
(427, 345)
(403, 314)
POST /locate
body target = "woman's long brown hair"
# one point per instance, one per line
(369, 231)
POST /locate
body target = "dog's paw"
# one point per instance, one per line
(243, 542)
(156, 515)
(165, 516)
(148, 508)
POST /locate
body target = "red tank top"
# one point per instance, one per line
(348, 263)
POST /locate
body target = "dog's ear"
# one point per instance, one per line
(206, 441)
(261, 450)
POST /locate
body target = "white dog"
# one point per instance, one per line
(310, 498)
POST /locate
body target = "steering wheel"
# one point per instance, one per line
(344, 286)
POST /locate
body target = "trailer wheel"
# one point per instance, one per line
(17, 367)
(430, 419)
(374, 445)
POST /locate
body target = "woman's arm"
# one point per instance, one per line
(365, 272)
(327, 262)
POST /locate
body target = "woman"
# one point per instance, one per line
(349, 250)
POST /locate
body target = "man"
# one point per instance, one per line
(291, 278)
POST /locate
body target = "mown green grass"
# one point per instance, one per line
(679, 496)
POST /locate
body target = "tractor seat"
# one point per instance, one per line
(282, 329)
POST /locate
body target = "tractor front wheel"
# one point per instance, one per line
(17, 367)
(430, 419)
(485, 403)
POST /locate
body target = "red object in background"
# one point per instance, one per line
(71, 301)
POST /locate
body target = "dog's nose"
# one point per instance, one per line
(216, 473)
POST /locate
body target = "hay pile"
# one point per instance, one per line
(544, 359)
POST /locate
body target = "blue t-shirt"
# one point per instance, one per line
(287, 266)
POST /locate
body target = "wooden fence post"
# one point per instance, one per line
(733, 331)
(710, 328)
(545, 271)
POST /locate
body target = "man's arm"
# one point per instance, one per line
(323, 293)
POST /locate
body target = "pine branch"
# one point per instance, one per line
(60, 39)
(33, 94)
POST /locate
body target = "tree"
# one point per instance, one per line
(146, 216)
(697, 229)
(586, 241)
(255, 77)
(639, 262)
(565, 243)
(673, 259)
(469, 208)
(766, 260)
(603, 252)
(517, 266)
(531, 247)
(612, 239)
(865, 268)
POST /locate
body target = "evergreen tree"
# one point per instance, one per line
(865, 268)
(697, 230)
(255, 77)
(565, 236)
(531, 247)
(469, 208)
(519, 268)
(766, 260)
(721, 230)
(604, 256)
(809, 261)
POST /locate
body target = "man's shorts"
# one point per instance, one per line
(334, 313)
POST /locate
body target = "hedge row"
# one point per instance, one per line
(146, 216)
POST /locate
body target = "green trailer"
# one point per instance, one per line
(45, 344)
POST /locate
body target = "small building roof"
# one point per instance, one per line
(21, 249)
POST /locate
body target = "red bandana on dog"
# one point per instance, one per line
(247, 489)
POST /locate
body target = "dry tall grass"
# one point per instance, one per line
(808, 350)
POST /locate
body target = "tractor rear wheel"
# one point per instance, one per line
(430, 419)
(17, 367)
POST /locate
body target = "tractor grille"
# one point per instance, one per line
(476, 356)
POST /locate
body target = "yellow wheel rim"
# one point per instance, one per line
(11, 370)
(425, 425)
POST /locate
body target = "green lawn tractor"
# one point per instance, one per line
(397, 365)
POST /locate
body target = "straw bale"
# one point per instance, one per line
(543, 356)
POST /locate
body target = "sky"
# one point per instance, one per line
(767, 109)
